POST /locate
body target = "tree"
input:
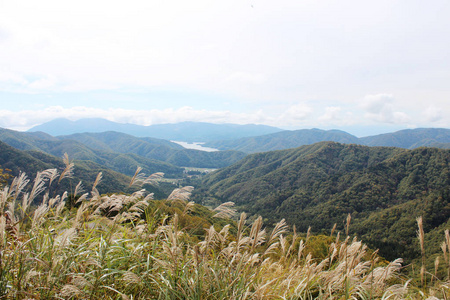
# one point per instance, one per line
(4, 176)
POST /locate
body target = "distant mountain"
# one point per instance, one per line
(65, 127)
(284, 140)
(318, 185)
(411, 138)
(246, 138)
(185, 131)
(408, 139)
(113, 150)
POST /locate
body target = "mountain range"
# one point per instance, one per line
(284, 140)
(121, 152)
(408, 139)
(246, 138)
(184, 131)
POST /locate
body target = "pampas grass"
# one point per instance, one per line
(128, 247)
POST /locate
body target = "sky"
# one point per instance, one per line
(366, 67)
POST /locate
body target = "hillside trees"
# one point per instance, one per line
(4, 175)
(384, 189)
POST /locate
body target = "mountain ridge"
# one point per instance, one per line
(31, 162)
(155, 155)
(249, 138)
(284, 140)
(183, 131)
(407, 138)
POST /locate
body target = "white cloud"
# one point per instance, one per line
(301, 115)
(332, 114)
(25, 119)
(254, 55)
(44, 83)
(9, 77)
(246, 77)
(433, 114)
(375, 104)
(295, 115)
(295, 47)
(336, 117)
(380, 108)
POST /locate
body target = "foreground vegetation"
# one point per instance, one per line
(117, 246)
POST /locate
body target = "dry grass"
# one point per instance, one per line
(107, 249)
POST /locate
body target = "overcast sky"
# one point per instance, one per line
(362, 66)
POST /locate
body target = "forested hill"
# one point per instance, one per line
(409, 139)
(115, 150)
(157, 149)
(125, 163)
(318, 185)
(284, 140)
(119, 142)
(31, 162)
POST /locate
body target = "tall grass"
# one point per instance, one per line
(129, 247)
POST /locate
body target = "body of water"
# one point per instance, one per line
(196, 146)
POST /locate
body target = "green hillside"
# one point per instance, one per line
(408, 139)
(284, 140)
(156, 149)
(120, 162)
(119, 142)
(31, 162)
(393, 230)
(411, 138)
(318, 185)
(20, 140)
(104, 148)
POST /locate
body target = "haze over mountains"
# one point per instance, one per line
(408, 138)
(284, 140)
(247, 138)
(185, 131)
